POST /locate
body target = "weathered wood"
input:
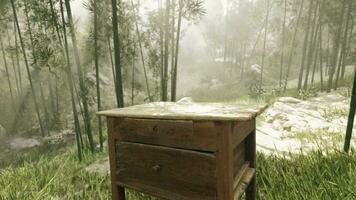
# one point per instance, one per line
(118, 192)
(224, 159)
(239, 158)
(240, 174)
(172, 133)
(188, 111)
(241, 129)
(245, 181)
(251, 157)
(166, 172)
(181, 155)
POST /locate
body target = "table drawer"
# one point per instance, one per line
(184, 134)
(166, 172)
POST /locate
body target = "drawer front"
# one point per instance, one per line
(171, 133)
(166, 172)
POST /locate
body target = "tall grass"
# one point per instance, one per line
(313, 176)
(318, 175)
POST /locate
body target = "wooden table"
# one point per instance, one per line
(183, 151)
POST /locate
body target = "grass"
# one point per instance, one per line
(327, 175)
(324, 139)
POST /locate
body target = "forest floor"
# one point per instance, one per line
(298, 141)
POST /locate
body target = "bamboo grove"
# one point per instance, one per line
(287, 39)
(42, 38)
(54, 71)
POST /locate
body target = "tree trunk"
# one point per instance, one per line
(118, 83)
(133, 77)
(172, 37)
(70, 83)
(7, 72)
(97, 73)
(13, 64)
(161, 41)
(30, 31)
(141, 53)
(18, 61)
(175, 68)
(166, 52)
(294, 44)
(336, 48)
(55, 22)
(264, 45)
(46, 114)
(351, 118)
(321, 56)
(343, 45)
(311, 52)
(348, 48)
(111, 61)
(305, 46)
(82, 85)
(282, 47)
(27, 68)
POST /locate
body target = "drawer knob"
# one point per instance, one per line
(156, 168)
(155, 128)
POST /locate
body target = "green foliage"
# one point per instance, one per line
(317, 175)
(308, 93)
(334, 112)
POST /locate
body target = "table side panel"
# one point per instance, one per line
(240, 130)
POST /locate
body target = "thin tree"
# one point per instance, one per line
(336, 48)
(27, 67)
(70, 83)
(119, 86)
(294, 44)
(172, 38)
(348, 46)
(111, 61)
(7, 70)
(305, 46)
(351, 118)
(282, 46)
(264, 44)
(13, 63)
(311, 51)
(175, 67)
(97, 73)
(343, 45)
(166, 52)
(161, 42)
(321, 58)
(141, 51)
(82, 85)
(18, 60)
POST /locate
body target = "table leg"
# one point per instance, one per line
(251, 156)
(121, 193)
(118, 192)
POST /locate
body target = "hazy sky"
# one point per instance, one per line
(81, 14)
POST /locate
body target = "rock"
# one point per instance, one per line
(277, 125)
(2, 131)
(23, 143)
(186, 100)
(289, 100)
(256, 68)
(101, 167)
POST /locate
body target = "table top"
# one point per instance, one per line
(188, 111)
